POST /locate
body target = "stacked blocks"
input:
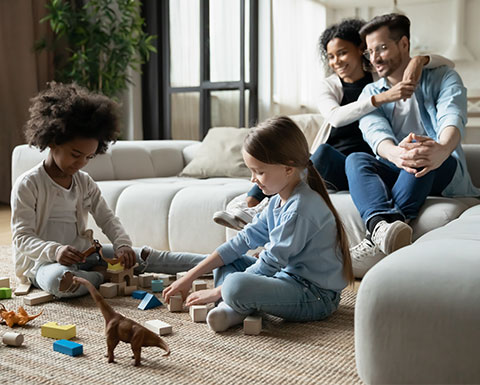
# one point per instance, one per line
(149, 302)
(59, 332)
(68, 347)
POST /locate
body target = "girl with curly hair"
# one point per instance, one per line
(51, 202)
(341, 49)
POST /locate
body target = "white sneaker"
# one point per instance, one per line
(226, 219)
(364, 256)
(392, 236)
(238, 214)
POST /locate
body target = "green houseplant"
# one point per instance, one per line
(97, 41)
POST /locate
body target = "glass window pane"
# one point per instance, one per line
(247, 99)
(224, 40)
(247, 41)
(185, 115)
(184, 43)
(225, 108)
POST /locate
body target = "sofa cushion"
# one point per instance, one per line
(219, 155)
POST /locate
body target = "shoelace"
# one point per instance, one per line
(361, 248)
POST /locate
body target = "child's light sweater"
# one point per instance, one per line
(32, 199)
(300, 238)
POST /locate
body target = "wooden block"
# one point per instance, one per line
(68, 347)
(139, 294)
(22, 289)
(252, 325)
(149, 302)
(109, 290)
(129, 290)
(59, 332)
(199, 285)
(134, 281)
(166, 278)
(4, 282)
(157, 285)
(37, 298)
(145, 280)
(181, 274)
(198, 313)
(176, 303)
(12, 339)
(119, 276)
(121, 288)
(5, 292)
(114, 268)
(158, 327)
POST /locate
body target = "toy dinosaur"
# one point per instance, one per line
(119, 328)
(19, 318)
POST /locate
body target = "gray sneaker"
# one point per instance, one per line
(226, 219)
(364, 256)
(391, 236)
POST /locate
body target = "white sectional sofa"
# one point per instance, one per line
(140, 183)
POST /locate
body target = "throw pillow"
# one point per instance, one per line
(219, 155)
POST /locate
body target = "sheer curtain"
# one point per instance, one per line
(22, 74)
(297, 69)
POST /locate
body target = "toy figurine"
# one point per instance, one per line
(119, 328)
(19, 318)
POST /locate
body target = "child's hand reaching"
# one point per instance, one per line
(68, 255)
(181, 286)
(126, 256)
(202, 297)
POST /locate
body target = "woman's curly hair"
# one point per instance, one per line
(347, 29)
(64, 112)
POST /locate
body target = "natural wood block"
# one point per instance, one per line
(109, 290)
(37, 298)
(4, 282)
(134, 281)
(59, 332)
(22, 289)
(166, 278)
(181, 274)
(198, 313)
(12, 339)
(199, 285)
(129, 290)
(176, 303)
(252, 325)
(158, 327)
(121, 288)
(145, 280)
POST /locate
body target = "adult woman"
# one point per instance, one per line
(341, 49)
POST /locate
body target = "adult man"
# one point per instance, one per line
(416, 140)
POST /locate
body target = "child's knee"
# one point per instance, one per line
(237, 288)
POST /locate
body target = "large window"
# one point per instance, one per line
(208, 66)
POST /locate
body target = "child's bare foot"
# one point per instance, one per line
(202, 297)
(67, 284)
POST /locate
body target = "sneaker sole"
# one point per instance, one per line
(224, 222)
(402, 238)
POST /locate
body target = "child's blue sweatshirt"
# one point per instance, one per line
(300, 238)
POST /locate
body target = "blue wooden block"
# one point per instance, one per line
(139, 294)
(5, 292)
(157, 285)
(149, 302)
(68, 347)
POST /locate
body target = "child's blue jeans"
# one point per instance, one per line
(48, 276)
(283, 295)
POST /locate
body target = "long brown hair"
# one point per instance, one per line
(278, 140)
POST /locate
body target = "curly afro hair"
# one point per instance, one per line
(347, 29)
(64, 112)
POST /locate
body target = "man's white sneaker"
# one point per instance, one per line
(391, 236)
(364, 256)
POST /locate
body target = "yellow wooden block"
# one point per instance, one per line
(116, 267)
(59, 332)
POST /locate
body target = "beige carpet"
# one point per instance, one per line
(285, 353)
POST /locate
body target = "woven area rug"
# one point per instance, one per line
(284, 353)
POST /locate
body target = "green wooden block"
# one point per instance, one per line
(5, 292)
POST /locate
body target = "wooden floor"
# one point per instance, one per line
(5, 232)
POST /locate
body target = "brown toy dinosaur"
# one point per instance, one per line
(119, 328)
